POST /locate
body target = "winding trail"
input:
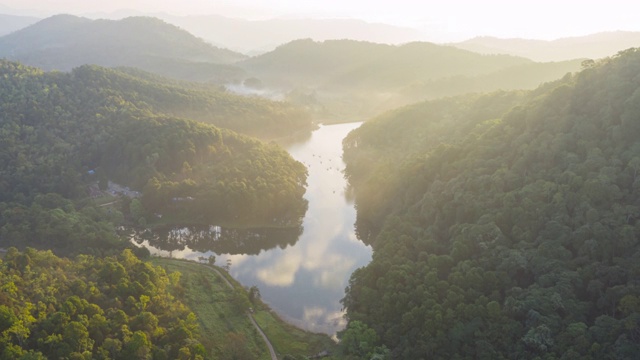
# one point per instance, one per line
(266, 340)
(253, 321)
(222, 276)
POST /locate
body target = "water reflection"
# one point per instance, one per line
(301, 274)
(218, 239)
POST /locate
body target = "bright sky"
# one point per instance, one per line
(441, 20)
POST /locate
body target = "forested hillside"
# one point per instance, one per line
(511, 225)
(62, 131)
(354, 80)
(63, 42)
(92, 308)
(360, 63)
(253, 116)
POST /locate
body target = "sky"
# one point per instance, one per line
(439, 20)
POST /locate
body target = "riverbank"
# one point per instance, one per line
(222, 315)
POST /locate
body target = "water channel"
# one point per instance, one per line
(301, 273)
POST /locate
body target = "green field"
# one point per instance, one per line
(225, 329)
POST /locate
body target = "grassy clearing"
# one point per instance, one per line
(288, 339)
(224, 326)
(222, 310)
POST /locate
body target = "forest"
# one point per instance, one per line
(504, 226)
(115, 307)
(357, 80)
(496, 197)
(64, 131)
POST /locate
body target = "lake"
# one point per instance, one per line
(301, 272)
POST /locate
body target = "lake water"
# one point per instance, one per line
(301, 273)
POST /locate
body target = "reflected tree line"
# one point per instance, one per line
(217, 239)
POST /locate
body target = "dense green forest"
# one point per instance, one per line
(92, 308)
(252, 116)
(510, 223)
(63, 131)
(63, 42)
(356, 79)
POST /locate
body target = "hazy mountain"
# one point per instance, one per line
(356, 63)
(260, 36)
(355, 79)
(591, 46)
(63, 42)
(11, 23)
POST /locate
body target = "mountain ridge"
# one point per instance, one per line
(62, 42)
(597, 45)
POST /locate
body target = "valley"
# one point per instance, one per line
(172, 191)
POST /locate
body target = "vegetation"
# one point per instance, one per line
(218, 239)
(63, 131)
(142, 42)
(224, 325)
(510, 224)
(92, 308)
(340, 79)
(252, 116)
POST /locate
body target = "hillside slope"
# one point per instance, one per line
(354, 80)
(63, 42)
(61, 132)
(511, 230)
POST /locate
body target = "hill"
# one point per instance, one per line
(113, 307)
(260, 36)
(352, 79)
(62, 132)
(592, 46)
(333, 62)
(210, 104)
(63, 42)
(11, 23)
(509, 222)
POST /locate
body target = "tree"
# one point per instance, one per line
(358, 339)
(77, 336)
(254, 294)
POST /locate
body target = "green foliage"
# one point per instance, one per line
(115, 307)
(224, 325)
(358, 340)
(357, 80)
(55, 127)
(507, 224)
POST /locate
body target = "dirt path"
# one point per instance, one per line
(107, 204)
(266, 340)
(222, 276)
(253, 321)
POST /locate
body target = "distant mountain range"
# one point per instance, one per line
(11, 23)
(593, 46)
(334, 79)
(63, 42)
(254, 37)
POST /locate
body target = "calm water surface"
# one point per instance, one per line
(301, 273)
